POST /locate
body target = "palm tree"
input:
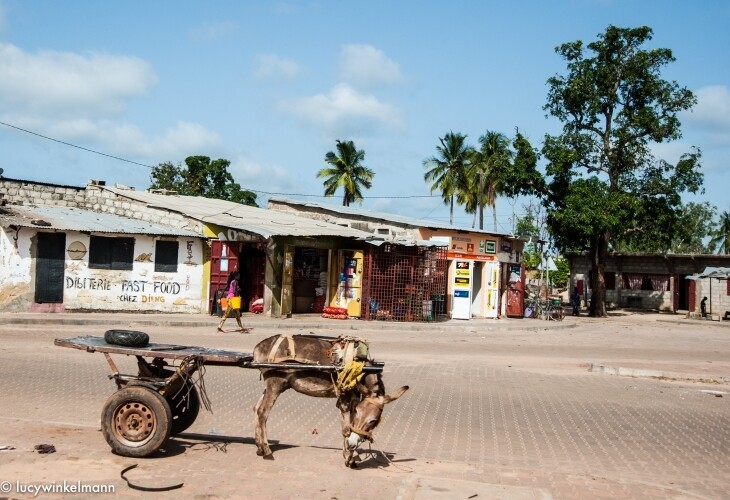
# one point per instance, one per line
(346, 170)
(721, 235)
(488, 165)
(447, 171)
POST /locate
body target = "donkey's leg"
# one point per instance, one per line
(350, 455)
(274, 387)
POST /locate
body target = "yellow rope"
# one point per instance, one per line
(350, 376)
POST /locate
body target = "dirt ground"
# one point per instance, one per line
(495, 410)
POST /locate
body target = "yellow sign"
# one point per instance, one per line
(461, 282)
(463, 272)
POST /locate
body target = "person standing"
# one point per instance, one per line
(232, 290)
(575, 301)
(703, 307)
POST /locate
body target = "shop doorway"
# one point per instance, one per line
(311, 266)
(49, 271)
(477, 290)
(249, 259)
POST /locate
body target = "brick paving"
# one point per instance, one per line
(497, 410)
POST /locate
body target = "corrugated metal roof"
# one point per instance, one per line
(386, 217)
(78, 219)
(261, 221)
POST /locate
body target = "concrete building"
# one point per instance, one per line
(54, 258)
(482, 266)
(660, 282)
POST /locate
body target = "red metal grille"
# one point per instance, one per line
(405, 283)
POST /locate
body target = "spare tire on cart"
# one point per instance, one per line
(127, 338)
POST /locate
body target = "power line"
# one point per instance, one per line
(74, 145)
(364, 197)
(252, 190)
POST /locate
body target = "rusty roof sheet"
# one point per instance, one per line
(255, 220)
(78, 219)
(382, 216)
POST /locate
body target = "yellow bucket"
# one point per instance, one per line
(235, 302)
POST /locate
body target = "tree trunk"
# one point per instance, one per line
(598, 252)
(481, 200)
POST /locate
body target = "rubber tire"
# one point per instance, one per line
(184, 412)
(140, 400)
(126, 338)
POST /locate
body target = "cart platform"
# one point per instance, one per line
(210, 356)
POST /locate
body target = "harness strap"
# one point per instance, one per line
(289, 353)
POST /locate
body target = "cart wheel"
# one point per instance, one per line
(127, 338)
(185, 406)
(135, 421)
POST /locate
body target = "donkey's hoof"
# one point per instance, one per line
(270, 456)
(260, 452)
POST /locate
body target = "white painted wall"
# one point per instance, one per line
(15, 264)
(141, 289)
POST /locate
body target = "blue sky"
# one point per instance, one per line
(271, 86)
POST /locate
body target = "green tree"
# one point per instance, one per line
(560, 277)
(532, 226)
(488, 165)
(605, 184)
(721, 235)
(347, 171)
(694, 226)
(447, 171)
(201, 177)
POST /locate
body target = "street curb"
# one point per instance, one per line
(644, 373)
(469, 326)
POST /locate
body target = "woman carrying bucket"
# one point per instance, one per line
(233, 297)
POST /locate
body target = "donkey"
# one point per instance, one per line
(360, 408)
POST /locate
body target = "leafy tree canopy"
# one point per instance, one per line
(720, 234)
(201, 177)
(605, 185)
(695, 223)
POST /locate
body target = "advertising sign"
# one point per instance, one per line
(462, 289)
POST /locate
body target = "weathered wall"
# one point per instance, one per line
(15, 269)
(91, 197)
(141, 289)
(652, 264)
(718, 298)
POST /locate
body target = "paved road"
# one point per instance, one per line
(497, 410)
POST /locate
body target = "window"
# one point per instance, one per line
(647, 282)
(610, 280)
(166, 256)
(111, 253)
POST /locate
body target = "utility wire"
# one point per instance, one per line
(75, 146)
(252, 190)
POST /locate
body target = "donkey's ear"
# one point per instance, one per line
(362, 389)
(389, 398)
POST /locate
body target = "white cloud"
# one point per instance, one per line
(211, 31)
(63, 84)
(366, 66)
(130, 142)
(271, 66)
(344, 111)
(78, 99)
(712, 113)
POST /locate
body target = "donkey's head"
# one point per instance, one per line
(366, 415)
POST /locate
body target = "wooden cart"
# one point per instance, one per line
(162, 399)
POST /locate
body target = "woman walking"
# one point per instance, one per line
(232, 290)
